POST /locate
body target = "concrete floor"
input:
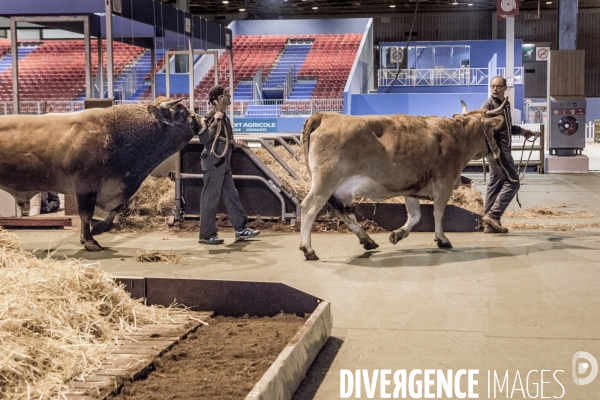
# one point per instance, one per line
(519, 302)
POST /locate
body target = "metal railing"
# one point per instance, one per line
(442, 77)
(242, 108)
(41, 107)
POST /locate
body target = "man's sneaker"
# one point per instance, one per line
(246, 234)
(492, 225)
(212, 240)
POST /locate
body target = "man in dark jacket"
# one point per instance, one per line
(504, 177)
(215, 160)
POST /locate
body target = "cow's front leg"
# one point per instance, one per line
(439, 206)
(86, 203)
(413, 209)
(107, 223)
(309, 208)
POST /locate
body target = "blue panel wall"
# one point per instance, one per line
(592, 109)
(442, 104)
(291, 124)
(179, 83)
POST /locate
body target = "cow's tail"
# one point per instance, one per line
(310, 125)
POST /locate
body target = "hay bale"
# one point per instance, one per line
(58, 320)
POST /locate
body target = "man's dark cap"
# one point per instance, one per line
(215, 92)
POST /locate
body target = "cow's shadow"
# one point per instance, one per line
(426, 257)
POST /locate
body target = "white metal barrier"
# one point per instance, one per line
(590, 132)
(442, 76)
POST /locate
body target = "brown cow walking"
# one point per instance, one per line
(380, 157)
(100, 156)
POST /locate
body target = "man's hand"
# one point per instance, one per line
(527, 133)
(238, 142)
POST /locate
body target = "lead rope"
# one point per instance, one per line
(217, 138)
(520, 177)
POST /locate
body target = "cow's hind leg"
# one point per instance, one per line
(310, 207)
(85, 206)
(343, 211)
(413, 209)
(106, 224)
(439, 206)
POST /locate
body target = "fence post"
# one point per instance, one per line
(39, 110)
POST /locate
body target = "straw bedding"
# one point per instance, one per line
(149, 207)
(58, 320)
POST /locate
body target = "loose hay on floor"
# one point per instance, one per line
(547, 212)
(58, 320)
(158, 256)
(561, 227)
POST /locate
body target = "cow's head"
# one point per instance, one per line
(172, 113)
(485, 122)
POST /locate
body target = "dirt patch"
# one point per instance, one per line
(223, 360)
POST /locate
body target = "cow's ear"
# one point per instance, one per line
(156, 112)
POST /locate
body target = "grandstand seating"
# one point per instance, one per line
(55, 70)
(322, 64)
(330, 61)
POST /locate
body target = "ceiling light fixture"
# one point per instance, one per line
(225, 2)
(548, 2)
(470, 4)
(392, 6)
(242, 9)
(455, 3)
(315, 8)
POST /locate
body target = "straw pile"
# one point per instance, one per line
(158, 256)
(149, 207)
(58, 320)
(466, 197)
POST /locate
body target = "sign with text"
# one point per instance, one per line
(253, 125)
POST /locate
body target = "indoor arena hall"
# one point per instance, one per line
(299, 199)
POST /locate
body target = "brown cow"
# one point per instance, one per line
(100, 156)
(380, 157)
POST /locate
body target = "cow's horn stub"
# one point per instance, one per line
(497, 111)
(464, 107)
(168, 104)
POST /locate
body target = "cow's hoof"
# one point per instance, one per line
(443, 245)
(398, 235)
(370, 245)
(100, 227)
(309, 255)
(92, 245)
